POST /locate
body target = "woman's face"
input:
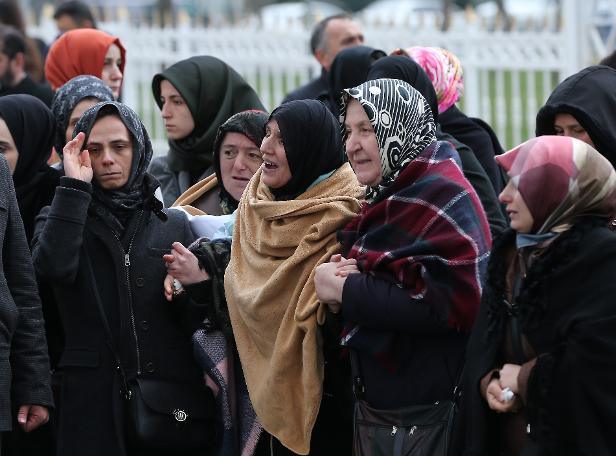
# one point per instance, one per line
(111, 152)
(361, 145)
(239, 159)
(78, 110)
(276, 171)
(7, 146)
(177, 118)
(519, 214)
(112, 75)
(567, 125)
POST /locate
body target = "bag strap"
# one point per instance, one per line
(359, 388)
(126, 393)
(358, 384)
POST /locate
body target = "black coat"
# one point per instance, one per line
(567, 314)
(467, 131)
(24, 365)
(151, 334)
(317, 89)
(42, 91)
(429, 353)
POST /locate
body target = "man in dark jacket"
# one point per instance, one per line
(102, 242)
(13, 76)
(24, 364)
(329, 37)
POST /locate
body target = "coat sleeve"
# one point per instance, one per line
(58, 233)
(194, 304)
(375, 303)
(29, 359)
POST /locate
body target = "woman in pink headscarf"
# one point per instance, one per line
(540, 362)
(445, 71)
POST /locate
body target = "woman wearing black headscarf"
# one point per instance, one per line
(27, 153)
(583, 106)
(286, 226)
(236, 159)
(406, 69)
(349, 68)
(195, 96)
(101, 243)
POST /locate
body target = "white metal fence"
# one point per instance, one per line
(508, 75)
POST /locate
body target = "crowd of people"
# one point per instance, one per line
(362, 271)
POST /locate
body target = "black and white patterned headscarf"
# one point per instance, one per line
(140, 187)
(68, 96)
(402, 122)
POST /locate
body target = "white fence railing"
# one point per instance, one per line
(508, 75)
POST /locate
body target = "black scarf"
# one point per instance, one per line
(68, 96)
(312, 143)
(349, 69)
(406, 69)
(138, 192)
(252, 125)
(213, 92)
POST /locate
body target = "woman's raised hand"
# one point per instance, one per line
(77, 162)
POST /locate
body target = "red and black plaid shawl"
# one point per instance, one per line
(427, 233)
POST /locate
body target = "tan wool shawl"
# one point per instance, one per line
(195, 192)
(272, 299)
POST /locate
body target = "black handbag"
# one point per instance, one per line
(419, 430)
(163, 415)
(170, 417)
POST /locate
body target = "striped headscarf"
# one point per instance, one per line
(444, 70)
(581, 181)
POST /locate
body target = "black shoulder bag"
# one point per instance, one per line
(417, 430)
(163, 415)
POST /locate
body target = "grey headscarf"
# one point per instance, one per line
(68, 96)
(140, 187)
(402, 121)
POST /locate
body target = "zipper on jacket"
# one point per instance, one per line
(129, 288)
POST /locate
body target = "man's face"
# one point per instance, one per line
(339, 34)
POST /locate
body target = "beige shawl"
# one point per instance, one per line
(194, 193)
(272, 299)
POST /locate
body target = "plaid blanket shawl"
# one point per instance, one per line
(427, 233)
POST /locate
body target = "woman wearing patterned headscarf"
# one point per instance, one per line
(541, 358)
(71, 101)
(286, 226)
(101, 243)
(406, 69)
(195, 96)
(445, 71)
(420, 245)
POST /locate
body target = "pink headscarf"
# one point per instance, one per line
(561, 178)
(444, 70)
